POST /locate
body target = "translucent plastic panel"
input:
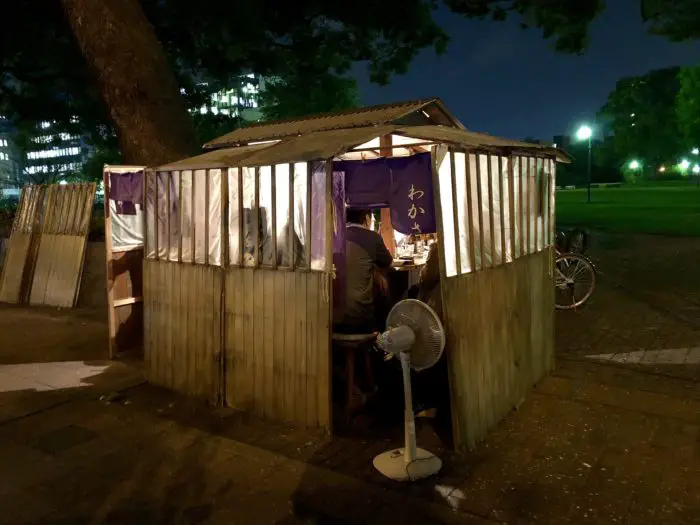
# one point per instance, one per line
(173, 225)
(485, 212)
(476, 227)
(319, 211)
(534, 203)
(265, 215)
(186, 224)
(496, 210)
(214, 217)
(552, 200)
(462, 212)
(161, 215)
(284, 257)
(200, 216)
(150, 215)
(249, 235)
(234, 218)
(448, 229)
(300, 208)
(506, 207)
(517, 213)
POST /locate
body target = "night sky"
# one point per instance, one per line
(500, 79)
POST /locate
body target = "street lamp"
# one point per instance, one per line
(634, 165)
(585, 133)
(695, 151)
(684, 165)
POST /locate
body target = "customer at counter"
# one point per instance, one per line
(365, 254)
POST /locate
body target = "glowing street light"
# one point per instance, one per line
(696, 169)
(695, 151)
(662, 169)
(585, 133)
(684, 165)
(634, 165)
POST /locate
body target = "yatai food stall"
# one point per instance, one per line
(244, 257)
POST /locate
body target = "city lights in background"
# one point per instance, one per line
(696, 169)
(634, 165)
(695, 151)
(684, 165)
(662, 169)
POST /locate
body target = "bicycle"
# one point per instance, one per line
(575, 276)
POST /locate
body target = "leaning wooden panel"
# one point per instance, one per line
(276, 363)
(182, 329)
(61, 255)
(20, 260)
(498, 351)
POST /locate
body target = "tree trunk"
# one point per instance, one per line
(135, 80)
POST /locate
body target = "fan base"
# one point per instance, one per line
(392, 464)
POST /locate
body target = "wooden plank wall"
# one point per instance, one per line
(500, 341)
(59, 263)
(20, 259)
(182, 327)
(277, 326)
(499, 311)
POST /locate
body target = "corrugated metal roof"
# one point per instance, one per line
(354, 118)
(332, 143)
(318, 145)
(220, 158)
(475, 140)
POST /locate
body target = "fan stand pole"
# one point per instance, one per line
(409, 420)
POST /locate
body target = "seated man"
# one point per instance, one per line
(365, 253)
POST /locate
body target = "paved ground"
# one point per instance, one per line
(597, 442)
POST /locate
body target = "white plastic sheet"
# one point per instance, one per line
(214, 217)
(462, 211)
(444, 169)
(234, 218)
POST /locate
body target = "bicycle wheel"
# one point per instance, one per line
(574, 281)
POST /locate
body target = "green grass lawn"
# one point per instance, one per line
(664, 208)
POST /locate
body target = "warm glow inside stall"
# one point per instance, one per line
(244, 258)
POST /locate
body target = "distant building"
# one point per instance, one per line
(241, 99)
(10, 159)
(56, 152)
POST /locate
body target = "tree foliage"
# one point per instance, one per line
(677, 20)
(688, 106)
(307, 44)
(640, 115)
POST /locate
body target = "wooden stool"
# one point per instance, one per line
(350, 344)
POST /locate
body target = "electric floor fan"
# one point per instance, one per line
(416, 335)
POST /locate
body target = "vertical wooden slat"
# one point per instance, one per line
(109, 269)
(146, 247)
(313, 297)
(490, 211)
(292, 245)
(290, 347)
(19, 219)
(241, 220)
(470, 218)
(273, 186)
(301, 323)
(270, 387)
(224, 325)
(455, 212)
(279, 346)
(207, 199)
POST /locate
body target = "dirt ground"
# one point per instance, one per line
(601, 441)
